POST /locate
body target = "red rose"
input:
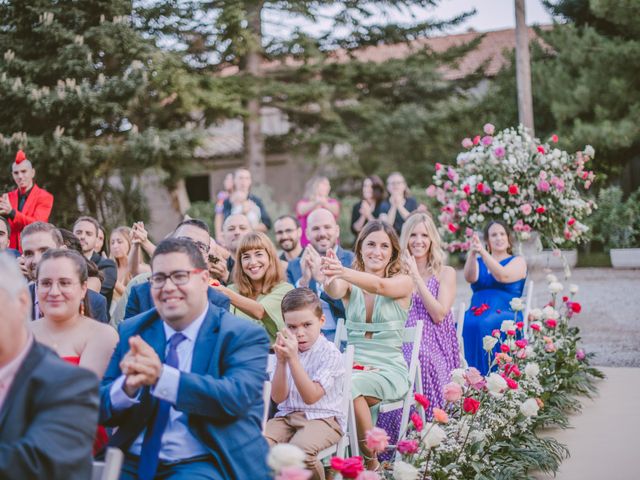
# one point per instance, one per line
(337, 463)
(438, 166)
(511, 332)
(505, 348)
(417, 421)
(495, 333)
(554, 138)
(422, 400)
(357, 366)
(565, 298)
(516, 371)
(571, 221)
(511, 383)
(520, 325)
(540, 149)
(453, 228)
(480, 187)
(466, 189)
(535, 326)
(513, 189)
(551, 323)
(470, 405)
(575, 307)
(352, 467)
(540, 209)
(521, 343)
(476, 140)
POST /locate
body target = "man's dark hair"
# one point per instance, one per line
(6, 223)
(195, 223)
(180, 245)
(91, 220)
(301, 299)
(70, 240)
(282, 217)
(44, 227)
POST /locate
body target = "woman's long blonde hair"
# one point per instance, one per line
(274, 274)
(124, 232)
(435, 255)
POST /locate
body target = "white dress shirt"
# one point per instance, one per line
(178, 443)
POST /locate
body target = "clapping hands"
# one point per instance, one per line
(331, 267)
(412, 265)
(310, 264)
(139, 234)
(286, 346)
(476, 245)
(5, 205)
(141, 365)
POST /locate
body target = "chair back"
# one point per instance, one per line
(266, 398)
(459, 316)
(110, 468)
(527, 308)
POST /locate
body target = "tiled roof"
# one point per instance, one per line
(491, 49)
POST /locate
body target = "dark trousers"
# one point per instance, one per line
(199, 468)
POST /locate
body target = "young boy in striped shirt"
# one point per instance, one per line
(307, 383)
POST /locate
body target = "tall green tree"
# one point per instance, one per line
(380, 116)
(93, 103)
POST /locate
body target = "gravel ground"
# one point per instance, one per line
(610, 317)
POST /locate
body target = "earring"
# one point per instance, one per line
(82, 307)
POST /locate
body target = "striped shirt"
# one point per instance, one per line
(324, 364)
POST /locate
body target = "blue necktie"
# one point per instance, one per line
(149, 455)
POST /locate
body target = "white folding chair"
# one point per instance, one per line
(411, 335)
(110, 468)
(350, 436)
(459, 316)
(527, 308)
(266, 398)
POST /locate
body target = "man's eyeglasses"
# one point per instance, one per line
(179, 277)
(203, 247)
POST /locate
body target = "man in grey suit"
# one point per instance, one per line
(48, 408)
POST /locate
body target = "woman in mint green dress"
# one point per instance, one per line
(376, 295)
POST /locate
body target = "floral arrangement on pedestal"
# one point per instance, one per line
(512, 176)
(487, 427)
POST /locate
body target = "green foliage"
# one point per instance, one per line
(204, 211)
(616, 222)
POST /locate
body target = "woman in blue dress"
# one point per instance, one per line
(496, 276)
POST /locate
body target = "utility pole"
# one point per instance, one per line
(523, 69)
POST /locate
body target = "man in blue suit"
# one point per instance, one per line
(197, 231)
(323, 233)
(184, 385)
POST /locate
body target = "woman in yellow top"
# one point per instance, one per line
(258, 283)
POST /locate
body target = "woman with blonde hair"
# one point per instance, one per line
(316, 195)
(119, 249)
(258, 283)
(433, 296)
(376, 293)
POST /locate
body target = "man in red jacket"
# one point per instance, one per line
(26, 204)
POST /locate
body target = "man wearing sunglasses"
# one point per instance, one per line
(184, 383)
(140, 298)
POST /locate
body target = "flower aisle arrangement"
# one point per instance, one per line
(512, 176)
(487, 427)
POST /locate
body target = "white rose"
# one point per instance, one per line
(488, 342)
(555, 287)
(505, 215)
(573, 289)
(550, 312)
(529, 407)
(551, 278)
(457, 376)
(481, 218)
(496, 384)
(516, 304)
(529, 351)
(536, 313)
(404, 471)
(532, 369)
(285, 455)
(435, 435)
(507, 325)
(589, 150)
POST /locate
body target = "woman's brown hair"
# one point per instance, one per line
(395, 264)
(274, 274)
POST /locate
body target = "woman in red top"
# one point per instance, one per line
(61, 288)
(316, 195)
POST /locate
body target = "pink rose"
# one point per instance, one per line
(408, 446)
(422, 400)
(377, 440)
(495, 333)
(417, 421)
(368, 475)
(511, 383)
(467, 143)
(452, 228)
(551, 323)
(526, 208)
(438, 166)
(521, 343)
(554, 138)
(535, 326)
(476, 140)
(432, 191)
(543, 186)
(440, 415)
(452, 392)
(487, 140)
(580, 355)
(473, 377)
(499, 152)
(293, 473)
(550, 348)
(468, 232)
(540, 149)
(464, 206)
(489, 128)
